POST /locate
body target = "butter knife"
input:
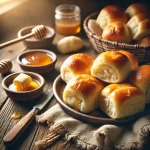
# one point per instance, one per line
(16, 131)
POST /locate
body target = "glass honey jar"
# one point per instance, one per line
(67, 19)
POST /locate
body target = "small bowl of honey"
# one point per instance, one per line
(37, 60)
(32, 42)
(23, 86)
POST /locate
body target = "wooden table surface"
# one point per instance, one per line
(31, 12)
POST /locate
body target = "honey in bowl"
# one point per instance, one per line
(36, 59)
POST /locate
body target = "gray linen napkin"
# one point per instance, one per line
(85, 136)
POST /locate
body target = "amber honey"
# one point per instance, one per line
(37, 59)
(23, 82)
(15, 115)
(67, 27)
(67, 19)
(33, 85)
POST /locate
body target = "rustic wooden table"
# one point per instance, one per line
(12, 21)
(25, 14)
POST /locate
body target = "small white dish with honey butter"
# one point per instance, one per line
(37, 60)
(23, 86)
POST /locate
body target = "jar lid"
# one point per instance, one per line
(67, 9)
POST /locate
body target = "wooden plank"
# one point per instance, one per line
(43, 129)
(3, 96)
(10, 53)
(7, 123)
(35, 132)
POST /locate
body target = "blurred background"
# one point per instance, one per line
(16, 14)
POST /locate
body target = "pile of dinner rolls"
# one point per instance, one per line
(112, 82)
(125, 26)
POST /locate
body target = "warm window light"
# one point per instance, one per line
(7, 5)
(4, 1)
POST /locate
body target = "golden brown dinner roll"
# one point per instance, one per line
(76, 64)
(111, 14)
(141, 79)
(136, 8)
(82, 93)
(144, 42)
(139, 26)
(132, 58)
(121, 100)
(117, 31)
(111, 67)
(143, 30)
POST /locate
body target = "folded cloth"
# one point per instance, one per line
(90, 137)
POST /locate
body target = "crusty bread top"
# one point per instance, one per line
(121, 92)
(78, 62)
(132, 59)
(86, 84)
(139, 17)
(125, 93)
(136, 8)
(114, 57)
(115, 13)
(141, 75)
(145, 41)
(117, 31)
(112, 87)
(145, 25)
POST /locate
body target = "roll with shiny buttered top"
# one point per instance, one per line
(76, 64)
(82, 93)
(136, 8)
(139, 26)
(117, 31)
(109, 14)
(141, 79)
(121, 100)
(145, 41)
(132, 58)
(111, 67)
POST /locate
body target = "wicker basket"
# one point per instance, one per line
(100, 45)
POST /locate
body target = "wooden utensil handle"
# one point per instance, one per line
(16, 40)
(15, 132)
